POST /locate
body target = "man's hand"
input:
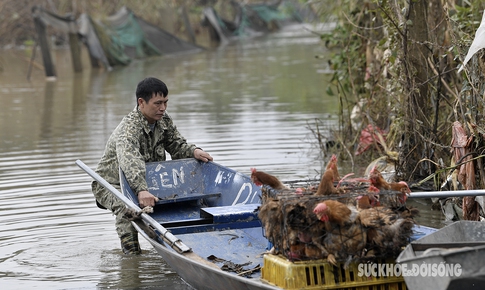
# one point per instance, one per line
(202, 155)
(146, 199)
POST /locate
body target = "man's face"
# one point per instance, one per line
(154, 109)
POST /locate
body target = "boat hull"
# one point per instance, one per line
(202, 276)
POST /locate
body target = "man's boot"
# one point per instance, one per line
(130, 244)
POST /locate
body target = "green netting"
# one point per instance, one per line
(131, 34)
(124, 37)
(115, 40)
(268, 13)
(243, 25)
(111, 44)
(253, 18)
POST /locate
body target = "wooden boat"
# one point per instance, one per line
(205, 226)
(450, 258)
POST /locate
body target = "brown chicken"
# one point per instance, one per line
(262, 178)
(312, 232)
(326, 186)
(332, 165)
(333, 213)
(296, 252)
(403, 187)
(301, 220)
(271, 218)
(368, 200)
(314, 252)
(285, 221)
(345, 243)
(380, 183)
(363, 202)
(387, 231)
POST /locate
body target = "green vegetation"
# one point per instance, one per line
(399, 61)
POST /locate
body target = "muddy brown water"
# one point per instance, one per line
(249, 104)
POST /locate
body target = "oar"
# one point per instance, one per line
(451, 193)
(167, 236)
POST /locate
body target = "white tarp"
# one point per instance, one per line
(477, 44)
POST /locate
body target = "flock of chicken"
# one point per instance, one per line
(341, 220)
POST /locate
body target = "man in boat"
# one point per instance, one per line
(144, 135)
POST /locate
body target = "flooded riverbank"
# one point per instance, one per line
(249, 104)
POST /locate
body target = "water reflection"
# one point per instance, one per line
(427, 216)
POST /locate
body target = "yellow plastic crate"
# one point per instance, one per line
(319, 274)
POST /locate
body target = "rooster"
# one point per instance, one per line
(262, 178)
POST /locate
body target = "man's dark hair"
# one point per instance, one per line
(148, 86)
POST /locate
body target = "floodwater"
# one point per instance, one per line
(250, 104)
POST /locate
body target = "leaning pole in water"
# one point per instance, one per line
(50, 70)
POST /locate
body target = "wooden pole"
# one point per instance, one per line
(49, 68)
(94, 62)
(31, 61)
(188, 27)
(74, 46)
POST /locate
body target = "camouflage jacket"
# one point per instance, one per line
(132, 144)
